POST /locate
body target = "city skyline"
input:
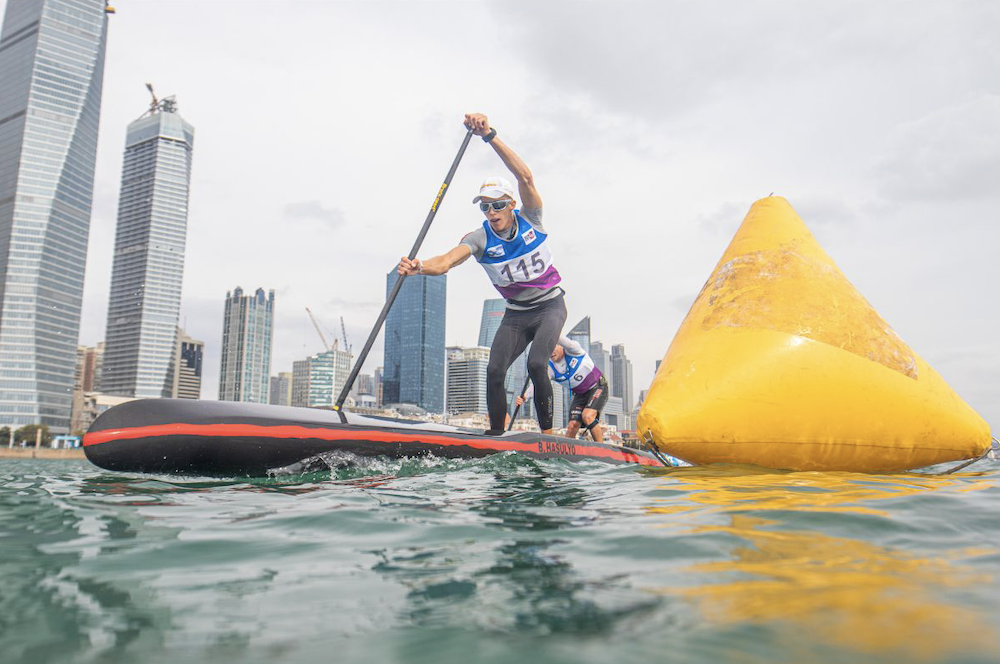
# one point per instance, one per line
(51, 73)
(860, 176)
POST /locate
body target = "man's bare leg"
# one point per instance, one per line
(589, 415)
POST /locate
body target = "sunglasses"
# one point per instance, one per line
(496, 205)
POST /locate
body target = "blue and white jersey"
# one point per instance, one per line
(576, 369)
(521, 263)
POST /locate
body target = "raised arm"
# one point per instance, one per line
(434, 266)
(530, 198)
(571, 347)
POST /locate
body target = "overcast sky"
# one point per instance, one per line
(324, 129)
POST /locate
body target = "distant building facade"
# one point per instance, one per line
(281, 389)
(89, 362)
(247, 334)
(187, 367)
(621, 374)
(148, 268)
(466, 383)
(614, 414)
(414, 343)
(580, 333)
(93, 404)
(51, 76)
(366, 385)
(318, 379)
(87, 381)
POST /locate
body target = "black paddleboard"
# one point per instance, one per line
(225, 439)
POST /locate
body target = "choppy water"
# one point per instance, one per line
(499, 560)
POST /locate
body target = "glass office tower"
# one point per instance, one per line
(414, 343)
(466, 391)
(621, 377)
(51, 71)
(247, 333)
(148, 267)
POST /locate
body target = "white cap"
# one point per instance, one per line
(494, 188)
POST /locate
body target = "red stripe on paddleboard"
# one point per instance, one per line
(291, 431)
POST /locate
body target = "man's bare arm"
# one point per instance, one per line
(436, 265)
(530, 198)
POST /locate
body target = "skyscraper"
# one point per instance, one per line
(51, 75)
(378, 386)
(489, 323)
(602, 359)
(318, 379)
(467, 379)
(281, 389)
(621, 372)
(89, 360)
(187, 367)
(148, 265)
(581, 333)
(247, 331)
(366, 385)
(414, 343)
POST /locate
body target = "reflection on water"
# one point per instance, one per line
(497, 560)
(841, 590)
(512, 575)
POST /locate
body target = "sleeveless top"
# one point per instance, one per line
(521, 263)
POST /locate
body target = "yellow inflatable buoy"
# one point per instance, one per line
(782, 363)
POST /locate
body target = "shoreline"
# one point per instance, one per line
(41, 453)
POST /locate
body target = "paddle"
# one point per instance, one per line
(399, 281)
(514, 416)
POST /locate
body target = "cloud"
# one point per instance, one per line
(313, 210)
(660, 60)
(952, 153)
(821, 211)
(724, 219)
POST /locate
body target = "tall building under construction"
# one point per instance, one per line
(148, 268)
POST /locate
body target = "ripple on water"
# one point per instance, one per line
(498, 559)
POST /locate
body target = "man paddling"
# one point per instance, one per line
(512, 246)
(572, 365)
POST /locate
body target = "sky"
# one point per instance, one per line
(324, 130)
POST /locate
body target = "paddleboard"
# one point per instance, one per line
(225, 439)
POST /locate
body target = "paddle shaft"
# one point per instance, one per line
(399, 281)
(514, 416)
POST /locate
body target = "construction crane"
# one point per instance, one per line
(343, 330)
(315, 323)
(167, 105)
(156, 102)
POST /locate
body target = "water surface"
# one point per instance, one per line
(503, 559)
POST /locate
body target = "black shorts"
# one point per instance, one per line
(594, 398)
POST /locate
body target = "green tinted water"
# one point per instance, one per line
(498, 560)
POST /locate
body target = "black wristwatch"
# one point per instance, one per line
(490, 136)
